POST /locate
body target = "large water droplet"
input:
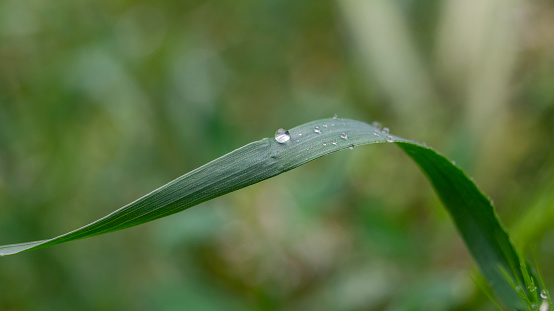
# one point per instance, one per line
(544, 294)
(335, 116)
(317, 129)
(282, 136)
(343, 135)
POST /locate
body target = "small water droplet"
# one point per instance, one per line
(544, 294)
(343, 135)
(282, 136)
(386, 130)
(390, 139)
(531, 288)
(317, 129)
(335, 143)
(298, 140)
(324, 124)
(336, 116)
(324, 144)
(351, 147)
(454, 162)
(299, 134)
(376, 134)
(535, 306)
(376, 124)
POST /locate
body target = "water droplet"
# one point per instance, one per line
(317, 130)
(544, 294)
(453, 162)
(377, 124)
(336, 116)
(386, 130)
(390, 139)
(351, 147)
(324, 124)
(324, 144)
(282, 136)
(299, 134)
(531, 288)
(335, 143)
(376, 134)
(343, 135)
(298, 140)
(535, 306)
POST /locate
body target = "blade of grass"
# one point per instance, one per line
(471, 211)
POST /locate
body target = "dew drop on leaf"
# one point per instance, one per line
(282, 136)
(317, 129)
(386, 130)
(343, 135)
(335, 116)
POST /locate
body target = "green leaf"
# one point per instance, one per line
(471, 211)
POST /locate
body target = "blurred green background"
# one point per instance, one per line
(103, 101)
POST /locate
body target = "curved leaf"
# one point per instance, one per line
(471, 211)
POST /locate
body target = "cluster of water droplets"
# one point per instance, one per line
(283, 136)
(381, 131)
(544, 306)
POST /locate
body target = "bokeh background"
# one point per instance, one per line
(103, 101)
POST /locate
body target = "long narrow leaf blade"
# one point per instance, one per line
(471, 211)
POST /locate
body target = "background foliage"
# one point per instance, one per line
(101, 102)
